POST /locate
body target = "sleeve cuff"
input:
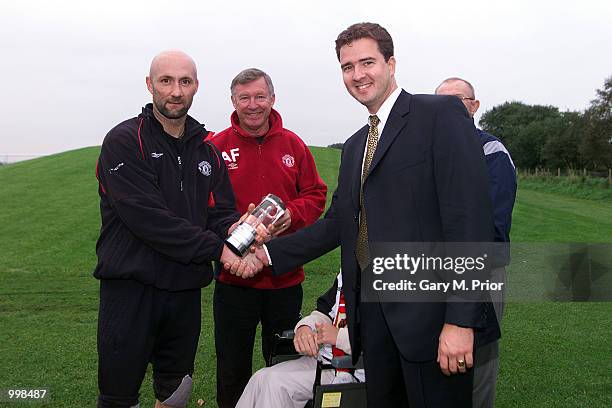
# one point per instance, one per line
(342, 341)
(312, 319)
(267, 254)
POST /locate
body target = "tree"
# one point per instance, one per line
(560, 150)
(523, 129)
(596, 147)
(541, 136)
(507, 120)
(528, 143)
(336, 145)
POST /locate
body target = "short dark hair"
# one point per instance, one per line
(250, 75)
(367, 30)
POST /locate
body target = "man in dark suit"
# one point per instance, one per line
(422, 180)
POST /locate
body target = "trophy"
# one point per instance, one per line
(267, 213)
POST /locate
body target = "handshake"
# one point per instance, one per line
(256, 258)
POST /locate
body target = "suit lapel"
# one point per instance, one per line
(360, 141)
(398, 117)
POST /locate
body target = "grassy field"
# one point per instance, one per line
(553, 354)
(578, 186)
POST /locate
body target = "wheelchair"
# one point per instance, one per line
(348, 395)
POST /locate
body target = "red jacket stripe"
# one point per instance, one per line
(139, 139)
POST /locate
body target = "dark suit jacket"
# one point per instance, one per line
(427, 183)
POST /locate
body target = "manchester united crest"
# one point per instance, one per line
(288, 160)
(204, 168)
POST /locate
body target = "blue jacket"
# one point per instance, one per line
(502, 176)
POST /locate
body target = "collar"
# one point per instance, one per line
(275, 122)
(192, 126)
(385, 109)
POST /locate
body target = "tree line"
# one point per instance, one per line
(543, 137)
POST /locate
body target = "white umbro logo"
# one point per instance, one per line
(116, 167)
(204, 168)
(156, 155)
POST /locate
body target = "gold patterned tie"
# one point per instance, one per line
(362, 250)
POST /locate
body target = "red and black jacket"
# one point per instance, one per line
(166, 204)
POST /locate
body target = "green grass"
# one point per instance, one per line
(328, 161)
(553, 354)
(578, 186)
(551, 217)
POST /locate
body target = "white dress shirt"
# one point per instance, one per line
(383, 115)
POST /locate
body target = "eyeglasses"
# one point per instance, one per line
(463, 98)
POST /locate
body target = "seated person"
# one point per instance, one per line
(289, 384)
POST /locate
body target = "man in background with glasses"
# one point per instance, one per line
(502, 177)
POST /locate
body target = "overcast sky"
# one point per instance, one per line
(71, 70)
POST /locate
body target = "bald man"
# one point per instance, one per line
(166, 204)
(502, 178)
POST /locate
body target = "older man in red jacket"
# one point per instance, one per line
(262, 157)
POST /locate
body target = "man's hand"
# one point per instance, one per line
(261, 255)
(305, 341)
(254, 265)
(263, 235)
(244, 216)
(327, 333)
(245, 267)
(455, 349)
(281, 225)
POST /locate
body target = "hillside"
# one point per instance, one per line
(553, 354)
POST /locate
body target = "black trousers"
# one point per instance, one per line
(138, 325)
(237, 312)
(392, 381)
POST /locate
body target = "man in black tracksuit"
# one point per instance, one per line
(166, 204)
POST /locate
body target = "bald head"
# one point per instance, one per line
(174, 58)
(173, 81)
(462, 89)
(459, 83)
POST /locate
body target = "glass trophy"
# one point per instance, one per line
(267, 213)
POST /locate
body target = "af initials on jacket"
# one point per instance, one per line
(279, 163)
(231, 158)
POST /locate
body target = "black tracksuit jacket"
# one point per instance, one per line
(166, 204)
